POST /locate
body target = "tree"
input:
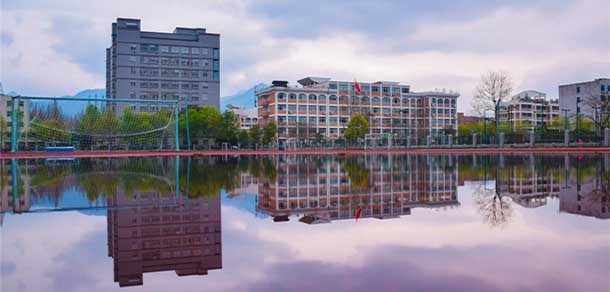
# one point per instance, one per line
(243, 138)
(598, 104)
(493, 88)
(255, 134)
(357, 127)
(228, 127)
(269, 132)
(4, 130)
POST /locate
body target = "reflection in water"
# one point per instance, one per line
(163, 214)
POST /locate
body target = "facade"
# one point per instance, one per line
(592, 94)
(162, 232)
(6, 111)
(463, 119)
(246, 117)
(327, 193)
(322, 107)
(529, 107)
(183, 65)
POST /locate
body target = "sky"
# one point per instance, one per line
(58, 47)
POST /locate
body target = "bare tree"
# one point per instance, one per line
(493, 88)
(600, 108)
(495, 208)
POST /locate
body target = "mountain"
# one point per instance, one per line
(72, 108)
(244, 98)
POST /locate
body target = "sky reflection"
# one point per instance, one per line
(52, 239)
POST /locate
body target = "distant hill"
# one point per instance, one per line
(243, 98)
(71, 108)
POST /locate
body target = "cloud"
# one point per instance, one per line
(430, 44)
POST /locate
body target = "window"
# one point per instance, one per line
(343, 87)
(386, 90)
(132, 59)
(577, 89)
(395, 90)
(133, 47)
(184, 50)
(216, 64)
(216, 75)
(175, 50)
(216, 54)
(164, 49)
(332, 98)
(195, 51)
(603, 87)
(375, 88)
(332, 86)
(405, 90)
(204, 51)
(366, 88)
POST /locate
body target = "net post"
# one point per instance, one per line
(188, 130)
(176, 117)
(13, 125)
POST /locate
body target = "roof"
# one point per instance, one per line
(312, 80)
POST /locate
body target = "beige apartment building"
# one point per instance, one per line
(322, 107)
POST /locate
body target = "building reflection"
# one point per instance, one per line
(155, 220)
(152, 232)
(324, 189)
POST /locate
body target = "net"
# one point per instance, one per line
(99, 126)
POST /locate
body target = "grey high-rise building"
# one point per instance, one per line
(183, 65)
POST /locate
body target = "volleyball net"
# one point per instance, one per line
(55, 124)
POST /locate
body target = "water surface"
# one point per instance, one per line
(307, 223)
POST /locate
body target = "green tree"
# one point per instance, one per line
(269, 132)
(4, 131)
(357, 127)
(204, 122)
(88, 120)
(228, 127)
(243, 138)
(255, 134)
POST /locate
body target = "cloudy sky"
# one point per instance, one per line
(58, 47)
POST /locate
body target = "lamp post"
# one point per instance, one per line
(578, 117)
(565, 118)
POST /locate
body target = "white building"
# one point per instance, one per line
(530, 107)
(592, 94)
(247, 117)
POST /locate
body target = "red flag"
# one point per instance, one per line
(357, 86)
(358, 213)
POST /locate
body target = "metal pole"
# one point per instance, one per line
(188, 129)
(565, 119)
(13, 125)
(176, 117)
(14, 184)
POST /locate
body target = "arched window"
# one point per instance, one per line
(332, 97)
(281, 95)
(453, 101)
(321, 97)
(413, 101)
(292, 96)
(355, 99)
(302, 96)
(342, 98)
(447, 101)
(365, 99)
(433, 100)
(396, 100)
(405, 100)
(312, 97)
(386, 100)
(376, 99)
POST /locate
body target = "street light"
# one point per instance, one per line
(565, 118)
(578, 117)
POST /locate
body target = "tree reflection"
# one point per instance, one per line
(356, 171)
(495, 208)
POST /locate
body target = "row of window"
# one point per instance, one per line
(154, 48)
(175, 73)
(175, 62)
(321, 97)
(172, 85)
(373, 122)
(369, 88)
(170, 96)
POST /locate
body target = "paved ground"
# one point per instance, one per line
(303, 152)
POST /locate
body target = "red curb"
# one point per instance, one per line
(302, 152)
